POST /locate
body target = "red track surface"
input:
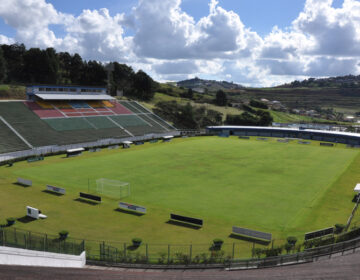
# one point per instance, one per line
(339, 268)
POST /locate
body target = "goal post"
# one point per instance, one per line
(112, 188)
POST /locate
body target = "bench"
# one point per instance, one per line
(319, 233)
(90, 196)
(33, 159)
(327, 144)
(252, 234)
(113, 147)
(304, 142)
(24, 182)
(55, 189)
(132, 207)
(186, 220)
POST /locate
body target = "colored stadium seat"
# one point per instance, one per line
(43, 113)
(45, 105)
(120, 110)
(108, 104)
(62, 105)
(79, 104)
(95, 104)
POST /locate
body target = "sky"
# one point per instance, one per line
(251, 42)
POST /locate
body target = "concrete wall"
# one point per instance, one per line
(15, 256)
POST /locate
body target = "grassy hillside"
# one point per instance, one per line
(279, 117)
(164, 97)
(305, 97)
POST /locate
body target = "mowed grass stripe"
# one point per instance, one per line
(255, 184)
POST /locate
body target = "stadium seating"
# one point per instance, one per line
(120, 109)
(61, 105)
(161, 121)
(68, 124)
(101, 122)
(43, 113)
(63, 124)
(108, 104)
(9, 141)
(96, 104)
(45, 105)
(132, 107)
(79, 104)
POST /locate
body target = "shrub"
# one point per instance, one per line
(273, 252)
(217, 243)
(162, 258)
(136, 241)
(339, 228)
(288, 247)
(63, 234)
(258, 252)
(10, 221)
(308, 244)
(291, 240)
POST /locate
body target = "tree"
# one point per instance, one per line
(220, 99)
(13, 55)
(76, 68)
(64, 67)
(122, 78)
(190, 93)
(2, 67)
(258, 104)
(143, 86)
(93, 74)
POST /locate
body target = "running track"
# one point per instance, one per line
(339, 268)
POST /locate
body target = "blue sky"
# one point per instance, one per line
(253, 42)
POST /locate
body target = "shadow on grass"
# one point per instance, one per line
(132, 247)
(86, 201)
(53, 193)
(253, 240)
(26, 219)
(21, 185)
(182, 224)
(129, 212)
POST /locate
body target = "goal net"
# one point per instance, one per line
(112, 188)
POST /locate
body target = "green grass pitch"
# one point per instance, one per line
(285, 189)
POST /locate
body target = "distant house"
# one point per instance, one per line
(199, 90)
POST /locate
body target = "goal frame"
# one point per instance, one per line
(113, 188)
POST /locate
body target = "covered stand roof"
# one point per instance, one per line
(74, 96)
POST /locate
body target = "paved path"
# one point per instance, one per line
(339, 268)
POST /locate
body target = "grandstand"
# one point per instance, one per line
(351, 139)
(62, 115)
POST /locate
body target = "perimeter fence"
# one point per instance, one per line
(232, 255)
(13, 237)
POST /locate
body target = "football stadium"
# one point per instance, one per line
(83, 171)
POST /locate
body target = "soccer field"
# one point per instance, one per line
(285, 189)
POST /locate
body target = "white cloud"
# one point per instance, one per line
(6, 40)
(31, 19)
(170, 44)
